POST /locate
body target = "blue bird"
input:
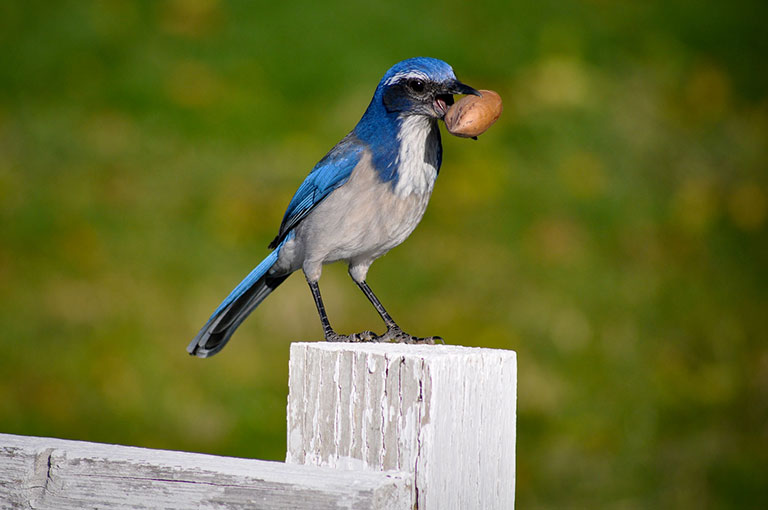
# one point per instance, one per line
(361, 200)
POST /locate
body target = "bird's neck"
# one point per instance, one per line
(405, 149)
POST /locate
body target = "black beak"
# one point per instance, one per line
(459, 88)
(444, 97)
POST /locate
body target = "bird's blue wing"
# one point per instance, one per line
(330, 172)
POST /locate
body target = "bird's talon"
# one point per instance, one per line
(430, 340)
(363, 336)
(400, 336)
(335, 337)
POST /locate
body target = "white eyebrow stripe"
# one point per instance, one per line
(406, 75)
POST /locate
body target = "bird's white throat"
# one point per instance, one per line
(418, 158)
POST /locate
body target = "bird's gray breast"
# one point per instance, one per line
(366, 217)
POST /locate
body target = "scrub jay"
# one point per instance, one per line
(361, 200)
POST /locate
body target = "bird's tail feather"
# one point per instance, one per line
(236, 307)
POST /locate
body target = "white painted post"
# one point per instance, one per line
(445, 413)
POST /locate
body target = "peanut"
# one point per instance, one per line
(473, 115)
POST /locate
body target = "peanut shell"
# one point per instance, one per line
(471, 116)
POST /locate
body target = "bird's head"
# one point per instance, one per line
(420, 86)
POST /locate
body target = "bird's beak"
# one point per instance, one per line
(460, 88)
(444, 99)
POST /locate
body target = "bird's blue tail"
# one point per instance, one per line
(236, 307)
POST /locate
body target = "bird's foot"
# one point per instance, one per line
(397, 335)
(363, 336)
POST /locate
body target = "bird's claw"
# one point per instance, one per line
(363, 336)
(397, 335)
(393, 334)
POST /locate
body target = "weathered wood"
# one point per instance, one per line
(445, 413)
(56, 474)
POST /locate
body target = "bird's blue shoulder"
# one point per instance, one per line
(328, 174)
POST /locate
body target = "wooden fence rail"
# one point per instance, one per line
(369, 426)
(56, 474)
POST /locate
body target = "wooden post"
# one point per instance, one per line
(445, 413)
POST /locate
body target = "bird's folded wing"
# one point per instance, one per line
(330, 172)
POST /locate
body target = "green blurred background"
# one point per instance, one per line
(610, 228)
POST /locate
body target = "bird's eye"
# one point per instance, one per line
(416, 85)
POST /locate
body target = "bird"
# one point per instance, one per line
(363, 198)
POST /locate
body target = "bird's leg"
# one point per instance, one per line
(394, 333)
(330, 334)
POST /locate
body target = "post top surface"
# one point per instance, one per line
(407, 350)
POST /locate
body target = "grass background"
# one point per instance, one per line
(610, 228)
